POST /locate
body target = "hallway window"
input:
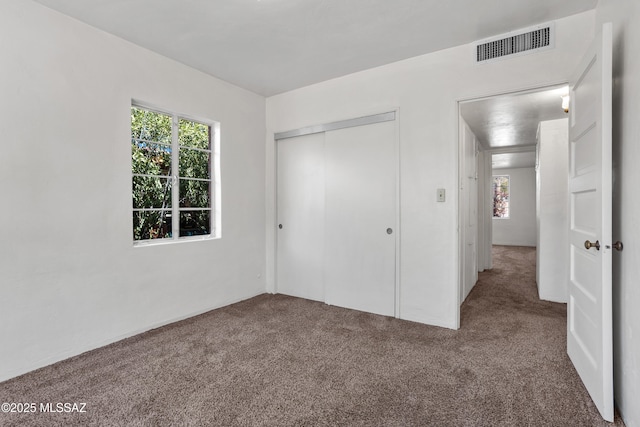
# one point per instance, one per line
(501, 196)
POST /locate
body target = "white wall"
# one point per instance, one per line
(552, 210)
(520, 228)
(625, 16)
(426, 90)
(485, 211)
(468, 209)
(71, 279)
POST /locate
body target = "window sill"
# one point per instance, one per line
(163, 242)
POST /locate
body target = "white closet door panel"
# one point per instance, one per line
(360, 207)
(300, 203)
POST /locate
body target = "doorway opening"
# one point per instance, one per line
(512, 161)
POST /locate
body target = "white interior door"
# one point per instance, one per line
(300, 201)
(589, 323)
(360, 223)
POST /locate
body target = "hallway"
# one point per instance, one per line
(525, 340)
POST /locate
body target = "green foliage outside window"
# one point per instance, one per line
(151, 160)
(501, 196)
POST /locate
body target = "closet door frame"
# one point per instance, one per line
(391, 114)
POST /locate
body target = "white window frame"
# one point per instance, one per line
(494, 193)
(215, 217)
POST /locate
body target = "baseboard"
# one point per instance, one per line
(76, 352)
(430, 321)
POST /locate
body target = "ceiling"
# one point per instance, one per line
(507, 125)
(273, 46)
(513, 160)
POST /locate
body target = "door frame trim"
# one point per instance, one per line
(341, 124)
(461, 205)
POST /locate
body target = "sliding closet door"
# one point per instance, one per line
(360, 218)
(300, 247)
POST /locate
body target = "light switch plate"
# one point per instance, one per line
(441, 195)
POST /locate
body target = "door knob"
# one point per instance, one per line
(280, 226)
(389, 230)
(589, 245)
(618, 246)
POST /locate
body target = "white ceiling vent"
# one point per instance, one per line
(528, 40)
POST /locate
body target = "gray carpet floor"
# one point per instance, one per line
(275, 360)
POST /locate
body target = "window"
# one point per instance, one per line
(174, 166)
(501, 196)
